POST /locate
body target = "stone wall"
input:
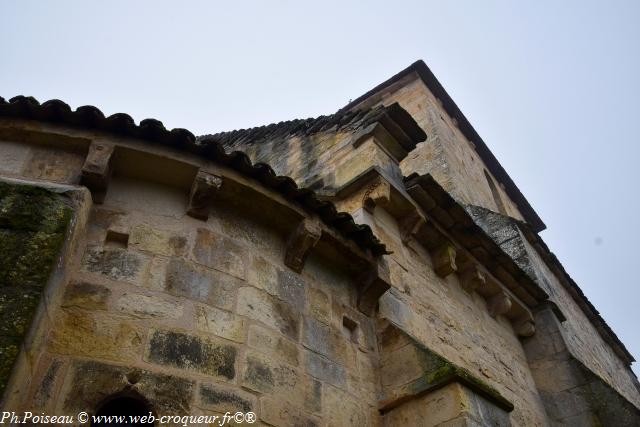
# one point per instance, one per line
(202, 317)
(446, 154)
(579, 335)
(183, 288)
(33, 226)
(456, 324)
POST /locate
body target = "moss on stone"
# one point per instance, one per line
(438, 371)
(9, 349)
(16, 310)
(33, 224)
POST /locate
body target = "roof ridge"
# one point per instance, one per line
(339, 120)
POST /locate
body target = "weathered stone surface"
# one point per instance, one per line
(273, 344)
(325, 370)
(264, 375)
(222, 398)
(401, 366)
(319, 305)
(192, 353)
(346, 410)
(45, 390)
(13, 157)
(263, 275)
(279, 412)
(187, 280)
(327, 341)
(258, 376)
(221, 323)
(115, 263)
(91, 382)
(446, 406)
(161, 242)
(258, 305)
(149, 306)
(291, 288)
(86, 295)
(221, 253)
(83, 334)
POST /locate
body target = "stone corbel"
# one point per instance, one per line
(373, 284)
(473, 278)
(377, 194)
(203, 189)
(410, 225)
(444, 260)
(499, 303)
(96, 170)
(303, 238)
(525, 326)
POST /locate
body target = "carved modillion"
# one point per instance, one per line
(378, 194)
(303, 238)
(203, 190)
(96, 170)
(410, 225)
(473, 278)
(499, 303)
(444, 260)
(525, 326)
(373, 283)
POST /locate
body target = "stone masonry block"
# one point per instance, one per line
(222, 399)
(265, 375)
(80, 333)
(279, 412)
(326, 340)
(149, 306)
(273, 344)
(319, 305)
(86, 295)
(325, 370)
(159, 242)
(260, 306)
(263, 275)
(184, 279)
(220, 253)
(221, 323)
(115, 263)
(291, 288)
(192, 353)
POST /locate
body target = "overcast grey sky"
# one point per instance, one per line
(553, 88)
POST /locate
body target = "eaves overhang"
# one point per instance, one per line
(151, 130)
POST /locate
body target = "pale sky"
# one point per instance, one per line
(553, 88)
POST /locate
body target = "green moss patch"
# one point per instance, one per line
(439, 372)
(33, 223)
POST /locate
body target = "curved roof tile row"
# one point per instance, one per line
(89, 117)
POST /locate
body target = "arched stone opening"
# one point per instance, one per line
(132, 407)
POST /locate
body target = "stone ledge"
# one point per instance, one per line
(436, 372)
